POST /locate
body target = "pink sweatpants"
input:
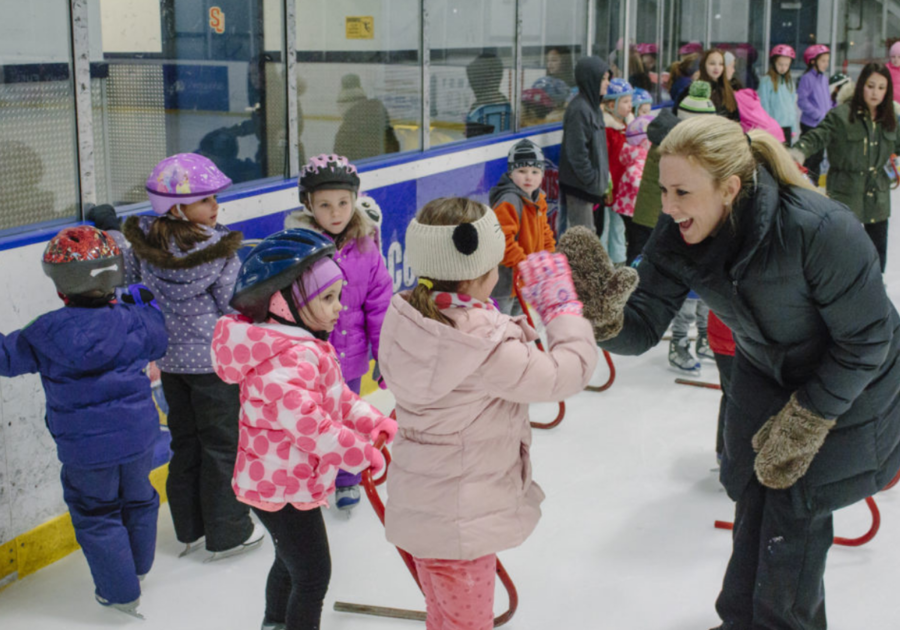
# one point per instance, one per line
(459, 594)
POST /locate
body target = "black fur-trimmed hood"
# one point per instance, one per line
(222, 244)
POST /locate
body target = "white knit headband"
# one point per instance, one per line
(455, 252)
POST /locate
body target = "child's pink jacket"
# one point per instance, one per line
(633, 159)
(299, 421)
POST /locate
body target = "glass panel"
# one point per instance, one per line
(472, 44)
(860, 35)
(609, 25)
(643, 62)
(800, 24)
(738, 27)
(38, 163)
(684, 37)
(359, 78)
(553, 36)
(202, 76)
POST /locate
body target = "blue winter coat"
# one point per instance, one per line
(780, 105)
(193, 290)
(99, 407)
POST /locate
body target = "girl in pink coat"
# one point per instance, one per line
(329, 186)
(299, 421)
(633, 157)
(463, 374)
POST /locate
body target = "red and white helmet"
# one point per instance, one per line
(783, 50)
(81, 259)
(814, 51)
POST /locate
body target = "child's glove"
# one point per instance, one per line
(375, 458)
(388, 426)
(605, 288)
(139, 295)
(104, 218)
(547, 285)
(787, 443)
(377, 377)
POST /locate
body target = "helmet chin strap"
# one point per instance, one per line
(286, 293)
(177, 213)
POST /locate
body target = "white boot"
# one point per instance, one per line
(191, 547)
(129, 608)
(253, 541)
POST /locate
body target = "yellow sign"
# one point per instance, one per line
(361, 27)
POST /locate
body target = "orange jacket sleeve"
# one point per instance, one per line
(509, 223)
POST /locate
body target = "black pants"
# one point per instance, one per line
(787, 131)
(724, 363)
(878, 232)
(299, 577)
(203, 421)
(774, 579)
(814, 162)
(637, 236)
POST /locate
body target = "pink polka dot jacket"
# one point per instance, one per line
(299, 421)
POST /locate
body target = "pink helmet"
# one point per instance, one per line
(782, 50)
(182, 179)
(814, 51)
(646, 49)
(690, 48)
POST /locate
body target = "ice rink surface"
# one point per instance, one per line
(626, 541)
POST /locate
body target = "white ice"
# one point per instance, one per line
(626, 541)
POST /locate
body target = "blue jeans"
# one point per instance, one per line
(114, 512)
(345, 479)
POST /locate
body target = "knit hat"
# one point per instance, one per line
(838, 79)
(697, 100)
(455, 252)
(323, 273)
(351, 90)
(525, 153)
(895, 49)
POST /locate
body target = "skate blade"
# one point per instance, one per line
(686, 373)
(230, 553)
(189, 549)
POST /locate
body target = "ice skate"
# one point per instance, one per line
(272, 626)
(346, 498)
(681, 360)
(191, 547)
(253, 541)
(702, 348)
(130, 608)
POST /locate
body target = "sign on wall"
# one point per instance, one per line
(360, 27)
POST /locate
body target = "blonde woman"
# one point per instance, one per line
(812, 421)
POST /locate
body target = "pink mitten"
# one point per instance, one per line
(388, 426)
(374, 457)
(548, 285)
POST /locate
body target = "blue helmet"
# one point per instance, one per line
(617, 89)
(273, 265)
(641, 96)
(557, 89)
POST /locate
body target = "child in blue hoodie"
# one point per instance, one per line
(91, 355)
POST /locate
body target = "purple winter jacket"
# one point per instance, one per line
(366, 296)
(813, 98)
(192, 289)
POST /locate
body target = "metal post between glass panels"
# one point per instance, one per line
(767, 30)
(84, 116)
(289, 12)
(626, 41)
(591, 25)
(517, 64)
(426, 76)
(709, 19)
(834, 37)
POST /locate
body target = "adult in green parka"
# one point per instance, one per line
(812, 421)
(860, 137)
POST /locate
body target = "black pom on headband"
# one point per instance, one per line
(465, 237)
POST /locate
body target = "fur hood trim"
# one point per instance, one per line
(225, 247)
(303, 218)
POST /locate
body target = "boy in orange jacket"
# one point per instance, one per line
(521, 209)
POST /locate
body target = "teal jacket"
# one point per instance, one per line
(780, 105)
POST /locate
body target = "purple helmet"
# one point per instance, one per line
(329, 172)
(182, 179)
(637, 129)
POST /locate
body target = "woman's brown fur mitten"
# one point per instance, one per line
(786, 444)
(604, 290)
